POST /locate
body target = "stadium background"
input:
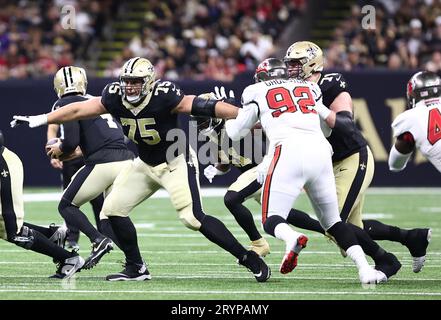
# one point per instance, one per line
(200, 44)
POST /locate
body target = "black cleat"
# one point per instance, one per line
(256, 265)
(417, 242)
(131, 272)
(99, 249)
(388, 264)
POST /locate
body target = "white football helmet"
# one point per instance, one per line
(137, 69)
(70, 79)
(303, 58)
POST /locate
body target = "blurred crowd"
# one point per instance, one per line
(407, 35)
(208, 39)
(33, 41)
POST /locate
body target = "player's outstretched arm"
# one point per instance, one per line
(210, 108)
(73, 111)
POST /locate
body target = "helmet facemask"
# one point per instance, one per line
(134, 89)
(137, 80)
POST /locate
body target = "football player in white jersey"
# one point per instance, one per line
(299, 157)
(420, 126)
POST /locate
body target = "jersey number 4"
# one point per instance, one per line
(434, 129)
(282, 101)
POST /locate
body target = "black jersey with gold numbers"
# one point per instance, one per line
(101, 139)
(148, 123)
(344, 145)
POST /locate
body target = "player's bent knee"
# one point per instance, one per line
(188, 219)
(24, 239)
(232, 198)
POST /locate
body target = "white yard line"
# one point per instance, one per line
(219, 192)
(188, 292)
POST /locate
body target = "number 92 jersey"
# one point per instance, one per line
(148, 123)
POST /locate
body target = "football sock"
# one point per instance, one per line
(75, 217)
(215, 231)
(44, 246)
(105, 227)
(369, 246)
(97, 205)
(381, 231)
(125, 232)
(234, 202)
(357, 255)
(43, 230)
(285, 233)
(343, 234)
(302, 220)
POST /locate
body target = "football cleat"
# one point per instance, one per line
(131, 272)
(99, 249)
(289, 261)
(260, 246)
(67, 268)
(59, 234)
(417, 243)
(256, 265)
(369, 275)
(388, 264)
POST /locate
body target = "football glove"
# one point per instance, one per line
(32, 121)
(220, 94)
(211, 171)
(262, 169)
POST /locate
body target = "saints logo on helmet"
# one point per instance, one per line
(270, 68)
(423, 85)
(70, 80)
(137, 79)
(303, 58)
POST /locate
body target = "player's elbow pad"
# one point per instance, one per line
(397, 161)
(202, 107)
(344, 123)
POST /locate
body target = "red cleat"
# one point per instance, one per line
(289, 261)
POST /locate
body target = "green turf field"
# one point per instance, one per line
(184, 265)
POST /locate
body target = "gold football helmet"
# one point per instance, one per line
(70, 79)
(137, 70)
(303, 58)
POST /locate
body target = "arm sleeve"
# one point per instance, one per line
(246, 118)
(397, 161)
(71, 137)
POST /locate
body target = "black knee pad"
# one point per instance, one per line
(271, 223)
(24, 239)
(232, 198)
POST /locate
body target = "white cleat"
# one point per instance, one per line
(368, 275)
(381, 277)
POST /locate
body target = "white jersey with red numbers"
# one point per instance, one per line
(299, 152)
(284, 108)
(424, 123)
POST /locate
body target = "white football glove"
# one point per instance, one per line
(220, 94)
(211, 171)
(32, 121)
(262, 169)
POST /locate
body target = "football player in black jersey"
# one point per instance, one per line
(105, 154)
(352, 159)
(26, 235)
(70, 167)
(148, 110)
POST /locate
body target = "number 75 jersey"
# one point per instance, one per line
(148, 123)
(284, 107)
(424, 123)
